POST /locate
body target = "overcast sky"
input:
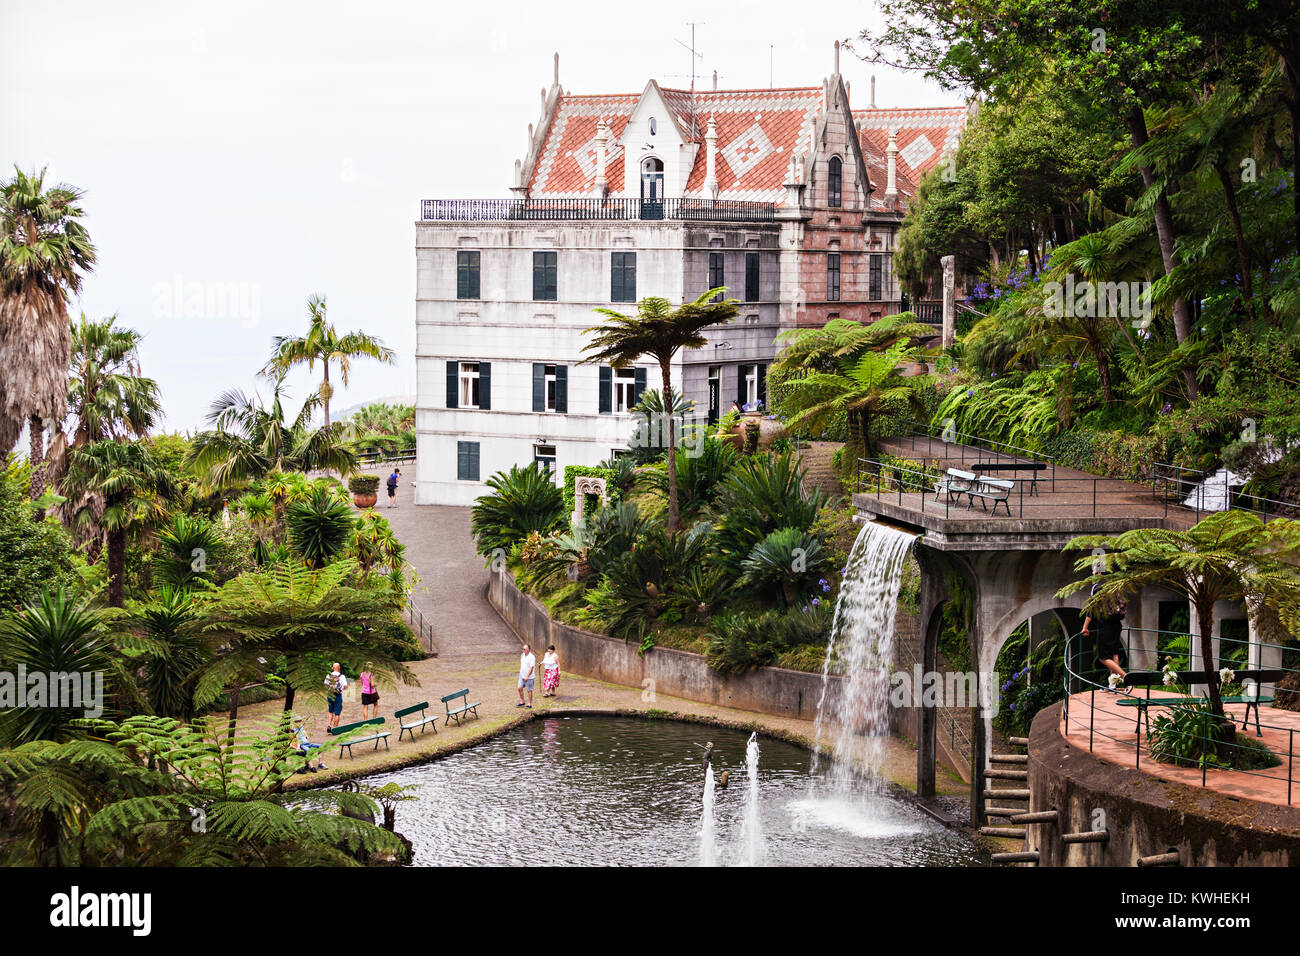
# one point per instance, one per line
(258, 152)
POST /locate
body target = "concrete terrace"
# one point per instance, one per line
(1064, 504)
(1097, 722)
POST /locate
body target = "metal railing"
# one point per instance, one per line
(380, 455)
(506, 210)
(1179, 484)
(1078, 681)
(960, 446)
(422, 628)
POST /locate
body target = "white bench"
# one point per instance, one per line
(996, 490)
(954, 483)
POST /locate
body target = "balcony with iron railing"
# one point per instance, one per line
(553, 210)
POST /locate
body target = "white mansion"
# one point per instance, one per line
(788, 197)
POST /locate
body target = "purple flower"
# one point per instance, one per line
(816, 602)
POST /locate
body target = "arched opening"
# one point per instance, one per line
(652, 188)
(834, 181)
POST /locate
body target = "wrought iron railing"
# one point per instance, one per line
(506, 210)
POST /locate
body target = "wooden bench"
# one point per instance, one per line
(996, 490)
(1148, 679)
(1033, 467)
(462, 710)
(422, 721)
(360, 725)
(955, 482)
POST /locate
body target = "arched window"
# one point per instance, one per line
(834, 179)
(652, 179)
(654, 126)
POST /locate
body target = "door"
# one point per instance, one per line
(652, 189)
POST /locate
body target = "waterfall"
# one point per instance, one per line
(854, 719)
(708, 848)
(751, 832)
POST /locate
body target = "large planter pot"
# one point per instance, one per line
(365, 501)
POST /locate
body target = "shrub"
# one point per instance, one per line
(790, 562)
(741, 641)
(1192, 736)
(522, 500)
(363, 484)
(761, 495)
(572, 472)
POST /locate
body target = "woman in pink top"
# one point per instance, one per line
(369, 693)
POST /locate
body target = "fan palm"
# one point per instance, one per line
(659, 330)
(323, 344)
(133, 486)
(44, 253)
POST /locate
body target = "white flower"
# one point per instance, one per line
(1171, 677)
(1115, 680)
(1226, 675)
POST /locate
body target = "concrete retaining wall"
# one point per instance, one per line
(1145, 815)
(661, 670)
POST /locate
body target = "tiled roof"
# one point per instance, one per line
(923, 136)
(757, 132)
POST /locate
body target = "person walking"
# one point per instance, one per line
(550, 672)
(305, 748)
(394, 480)
(369, 692)
(335, 683)
(527, 666)
(1110, 643)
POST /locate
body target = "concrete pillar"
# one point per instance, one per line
(602, 143)
(711, 160)
(891, 167)
(949, 300)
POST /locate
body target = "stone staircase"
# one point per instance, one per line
(815, 459)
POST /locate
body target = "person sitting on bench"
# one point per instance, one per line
(1109, 642)
(305, 748)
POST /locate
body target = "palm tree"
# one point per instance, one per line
(173, 652)
(107, 397)
(523, 500)
(659, 330)
(301, 617)
(44, 252)
(323, 344)
(251, 440)
(320, 526)
(133, 487)
(1231, 555)
(55, 634)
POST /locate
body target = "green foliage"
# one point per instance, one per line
(741, 641)
(699, 477)
(320, 527)
(33, 554)
(364, 484)
(573, 472)
(173, 653)
(188, 552)
(788, 562)
(761, 495)
(523, 500)
(1192, 736)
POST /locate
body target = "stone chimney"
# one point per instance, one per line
(602, 142)
(873, 91)
(711, 159)
(837, 57)
(715, 81)
(891, 167)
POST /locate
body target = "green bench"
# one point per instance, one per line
(422, 721)
(1148, 679)
(377, 736)
(461, 711)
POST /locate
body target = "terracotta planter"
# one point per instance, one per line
(365, 501)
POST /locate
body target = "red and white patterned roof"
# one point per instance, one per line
(923, 136)
(758, 133)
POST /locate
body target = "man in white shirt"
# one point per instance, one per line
(335, 684)
(527, 665)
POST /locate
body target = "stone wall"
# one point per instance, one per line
(661, 670)
(1145, 815)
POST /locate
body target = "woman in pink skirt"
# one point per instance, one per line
(550, 672)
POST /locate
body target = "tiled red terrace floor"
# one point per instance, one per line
(1113, 740)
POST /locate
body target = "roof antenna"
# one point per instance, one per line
(771, 59)
(694, 56)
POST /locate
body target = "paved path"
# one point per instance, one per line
(477, 650)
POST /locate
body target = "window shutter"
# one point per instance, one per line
(616, 277)
(606, 398)
(638, 384)
(539, 277)
(629, 276)
(462, 276)
(742, 372)
(453, 385)
(762, 384)
(751, 277)
(561, 388)
(462, 461)
(539, 387)
(473, 461)
(484, 384)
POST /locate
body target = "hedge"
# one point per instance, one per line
(573, 472)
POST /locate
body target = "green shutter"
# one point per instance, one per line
(762, 384)
(741, 372)
(638, 384)
(616, 277)
(539, 387)
(484, 384)
(561, 388)
(452, 384)
(606, 397)
(473, 461)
